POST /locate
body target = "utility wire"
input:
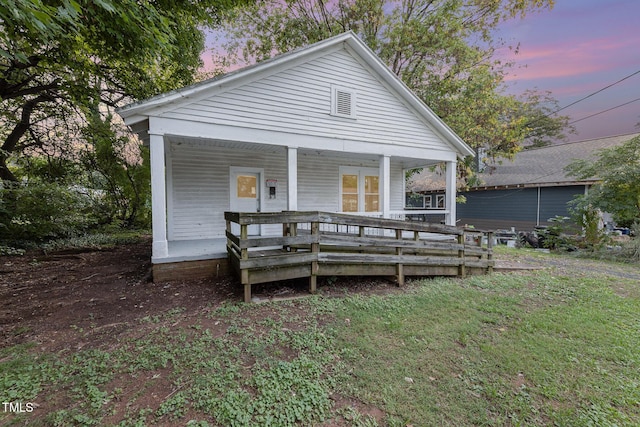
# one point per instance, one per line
(594, 93)
(604, 111)
(532, 122)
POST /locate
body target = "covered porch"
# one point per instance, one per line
(288, 179)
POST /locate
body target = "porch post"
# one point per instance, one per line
(292, 178)
(450, 195)
(160, 248)
(384, 185)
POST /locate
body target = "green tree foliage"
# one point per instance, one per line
(64, 66)
(543, 128)
(442, 49)
(618, 190)
(41, 211)
(119, 168)
(59, 59)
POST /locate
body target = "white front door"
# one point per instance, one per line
(245, 194)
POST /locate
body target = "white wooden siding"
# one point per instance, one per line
(199, 185)
(298, 100)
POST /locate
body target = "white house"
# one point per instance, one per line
(328, 127)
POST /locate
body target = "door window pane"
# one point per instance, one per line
(371, 195)
(247, 186)
(371, 203)
(371, 184)
(349, 203)
(350, 184)
(350, 193)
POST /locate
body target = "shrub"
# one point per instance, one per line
(91, 241)
(554, 235)
(41, 211)
(589, 219)
(630, 251)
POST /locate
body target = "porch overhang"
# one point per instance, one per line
(220, 135)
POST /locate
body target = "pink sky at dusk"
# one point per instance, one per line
(575, 49)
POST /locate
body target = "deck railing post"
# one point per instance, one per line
(293, 231)
(489, 251)
(315, 248)
(399, 265)
(462, 270)
(244, 233)
(244, 273)
(285, 233)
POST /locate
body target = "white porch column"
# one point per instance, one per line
(292, 178)
(384, 185)
(450, 195)
(160, 247)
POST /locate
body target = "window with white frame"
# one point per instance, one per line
(359, 189)
(434, 201)
(343, 102)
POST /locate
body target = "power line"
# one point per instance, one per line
(594, 93)
(532, 122)
(604, 111)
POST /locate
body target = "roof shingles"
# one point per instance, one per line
(543, 166)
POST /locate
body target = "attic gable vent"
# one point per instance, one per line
(343, 102)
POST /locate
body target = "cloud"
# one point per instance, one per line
(570, 58)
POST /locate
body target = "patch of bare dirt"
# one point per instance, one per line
(75, 299)
(354, 410)
(55, 299)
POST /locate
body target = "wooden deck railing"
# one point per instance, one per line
(316, 244)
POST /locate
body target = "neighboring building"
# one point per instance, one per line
(523, 193)
(328, 127)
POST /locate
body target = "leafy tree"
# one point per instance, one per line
(64, 66)
(60, 59)
(442, 49)
(543, 128)
(618, 190)
(119, 168)
(44, 210)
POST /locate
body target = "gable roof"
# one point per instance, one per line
(535, 167)
(136, 113)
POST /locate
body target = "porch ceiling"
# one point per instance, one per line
(406, 162)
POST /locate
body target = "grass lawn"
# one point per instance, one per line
(559, 346)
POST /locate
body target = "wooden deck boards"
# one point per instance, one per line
(378, 247)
